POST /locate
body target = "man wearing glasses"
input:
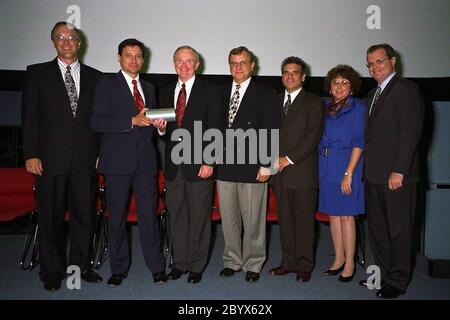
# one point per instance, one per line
(242, 187)
(394, 122)
(61, 149)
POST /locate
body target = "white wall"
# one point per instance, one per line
(323, 32)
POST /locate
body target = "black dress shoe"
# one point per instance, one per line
(194, 277)
(364, 283)
(52, 282)
(279, 271)
(333, 272)
(304, 276)
(251, 276)
(160, 277)
(346, 279)
(389, 292)
(116, 280)
(175, 273)
(91, 276)
(228, 272)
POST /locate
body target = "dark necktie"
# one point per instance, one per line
(140, 105)
(234, 104)
(71, 91)
(287, 105)
(375, 98)
(181, 105)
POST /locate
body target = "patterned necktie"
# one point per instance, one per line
(71, 91)
(375, 98)
(234, 104)
(137, 97)
(287, 105)
(181, 105)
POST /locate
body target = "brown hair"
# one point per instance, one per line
(240, 50)
(346, 72)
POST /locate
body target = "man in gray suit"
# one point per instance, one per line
(242, 187)
(190, 185)
(295, 186)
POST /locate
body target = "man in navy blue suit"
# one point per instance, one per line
(128, 160)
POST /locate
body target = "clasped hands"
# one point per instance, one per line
(141, 120)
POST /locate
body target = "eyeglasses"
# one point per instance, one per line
(344, 83)
(62, 37)
(377, 62)
(241, 64)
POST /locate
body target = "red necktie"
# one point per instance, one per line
(181, 105)
(137, 97)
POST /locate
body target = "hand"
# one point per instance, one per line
(160, 124)
(283, 162)
(346, 185)
(262, 178)
(395, 181)
(263, 174)
(205, 171)
(141, 120)
(34, 166)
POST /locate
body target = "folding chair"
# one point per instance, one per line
(18, 211)
(100, 240)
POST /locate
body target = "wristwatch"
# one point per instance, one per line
(347, 174)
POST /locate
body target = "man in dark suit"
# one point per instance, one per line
(128, 160)
(393, 127)
(61, 149)
(242, 183)
(295, 186)
(189, 185)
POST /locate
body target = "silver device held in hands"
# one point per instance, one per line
(167, 114)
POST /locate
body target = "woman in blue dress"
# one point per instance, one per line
(341, 191)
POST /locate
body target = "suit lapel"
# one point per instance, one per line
(380, 102)
(123, 87)
(193, 98)
(146, 91)
(168, 95)
(280, 101)
(298, 102)
(81, 105)
(246, 103)
(60, 91)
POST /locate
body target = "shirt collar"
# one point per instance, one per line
(243, 85)
(293, 94)
(74, 66)
(188, 83)
(386, 81)
(128, 78)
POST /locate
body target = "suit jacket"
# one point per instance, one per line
(301, 131)
(50, 132)
(393, 131)
(121, 145)
(204, 105)
(258, 110)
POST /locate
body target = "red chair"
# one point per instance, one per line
(100, 239)
(18, 206)
(360, 235)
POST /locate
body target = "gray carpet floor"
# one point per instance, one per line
(18, 284)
